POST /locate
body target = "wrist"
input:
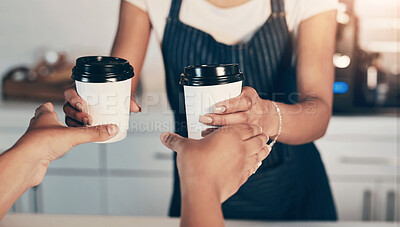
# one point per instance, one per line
(200, 188)
(32, 166)
(272, 126)
(201, 204)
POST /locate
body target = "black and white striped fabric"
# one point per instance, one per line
(292, 183)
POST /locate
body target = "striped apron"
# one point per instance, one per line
(292, 183)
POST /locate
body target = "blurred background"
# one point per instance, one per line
(39, 41)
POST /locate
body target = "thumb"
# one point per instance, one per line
(92, 134)
(173, 141)
(134, 106)
(47, 107)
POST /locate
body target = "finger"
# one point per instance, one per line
(225, 119)
(44, 116)
(91, 134)
(73, 123)
(75, 100)
(246, 131)
(208, 131)
(252, 168)
(257, 167)
(78, 116)
(263, 153)
(243, 102)
(252, 162)
(256, 143)
(48, 115)
(47, 107)
(255, 161)
(173, 141)
(134, 106)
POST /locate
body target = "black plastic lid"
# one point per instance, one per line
(204, 75)
(99, 69)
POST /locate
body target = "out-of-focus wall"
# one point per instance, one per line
(87, 27)
(379, 30)
(78, 27)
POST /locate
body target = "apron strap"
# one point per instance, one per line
(175, 8)
(277, 7)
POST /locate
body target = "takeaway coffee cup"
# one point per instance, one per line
(105, 84)
(204, 86)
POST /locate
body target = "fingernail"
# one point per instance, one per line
(164, 137)
(205, 119)
(86, 121)
(219, 109)
(259, 164)
(112, 129)
(79, 106)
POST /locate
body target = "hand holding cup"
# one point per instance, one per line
(75, 109)
(247, 108)
(102, 95)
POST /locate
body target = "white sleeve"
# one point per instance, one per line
(315, 7)
(141, 4)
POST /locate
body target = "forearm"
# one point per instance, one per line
(308, 120)
(200, 206)
(16, 174)
(132, 38)
(137, 64)
(303, 122)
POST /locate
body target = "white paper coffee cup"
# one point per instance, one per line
(105, 84)
(204, 86)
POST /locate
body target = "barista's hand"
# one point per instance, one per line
(248, 108)
(48, 139)
(75, 109)
(221, 161)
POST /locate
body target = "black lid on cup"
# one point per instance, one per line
(205, 75)
(99, 69)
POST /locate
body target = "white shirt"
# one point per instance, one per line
(231, 25)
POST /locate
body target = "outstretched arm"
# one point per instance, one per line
(25, 164)
(212, 169)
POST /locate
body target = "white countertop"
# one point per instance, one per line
(40, 220)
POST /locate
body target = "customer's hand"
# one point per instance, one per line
(76, 111)
(48, 139)
(221, 161)
(248, 108)
(25, 164)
